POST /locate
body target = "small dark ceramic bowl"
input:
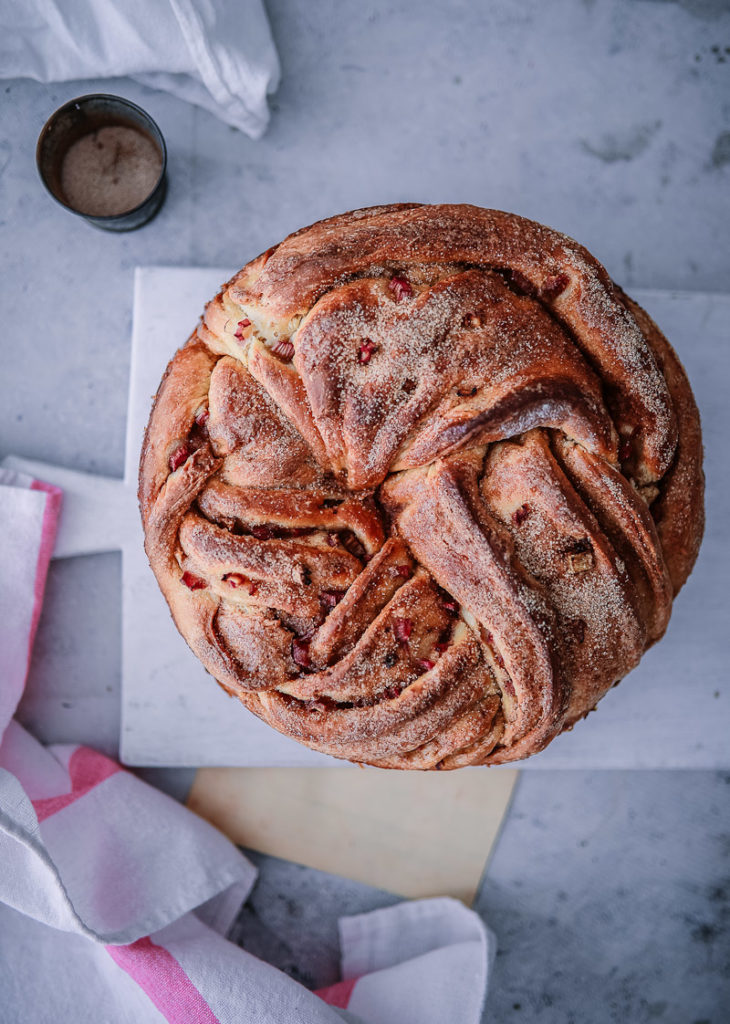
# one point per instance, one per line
(81, 116)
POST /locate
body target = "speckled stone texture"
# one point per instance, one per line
(609, 893)
(611, 121)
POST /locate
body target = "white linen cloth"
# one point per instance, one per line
(115, 900)
(218, 54)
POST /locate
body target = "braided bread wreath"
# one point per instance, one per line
(422, 485)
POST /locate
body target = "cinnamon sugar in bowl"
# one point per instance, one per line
(104, 158)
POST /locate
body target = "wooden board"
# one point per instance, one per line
(412, 833)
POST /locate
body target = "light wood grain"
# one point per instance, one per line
(415, 834)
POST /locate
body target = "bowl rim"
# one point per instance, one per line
(76, 102)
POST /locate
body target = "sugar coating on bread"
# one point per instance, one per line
(422, 485)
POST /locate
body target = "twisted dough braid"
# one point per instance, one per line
(422, 485)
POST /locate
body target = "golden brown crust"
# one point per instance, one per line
(422, 485)
(679, 509)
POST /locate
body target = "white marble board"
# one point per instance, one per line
(672, 712)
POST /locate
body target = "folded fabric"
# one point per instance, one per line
(216, 54)
(29, 512)
(115, 900)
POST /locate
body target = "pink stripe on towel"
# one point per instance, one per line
(339, 994)
(161, 977)
(86, 768)
(45, 549)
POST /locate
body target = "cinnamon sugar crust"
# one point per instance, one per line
(422, 485)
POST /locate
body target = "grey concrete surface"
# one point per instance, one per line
(608, 892)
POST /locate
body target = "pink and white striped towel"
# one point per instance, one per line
(115, 899)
